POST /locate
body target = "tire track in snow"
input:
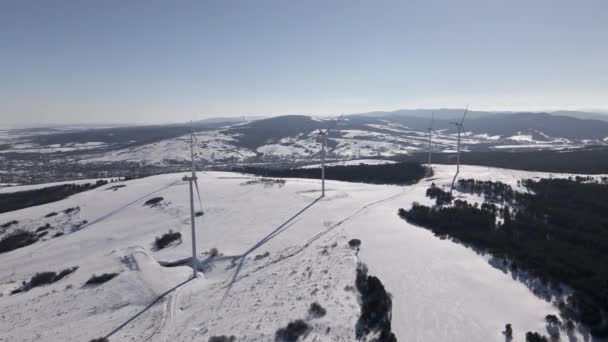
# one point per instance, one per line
(169, 310)
(321, 234)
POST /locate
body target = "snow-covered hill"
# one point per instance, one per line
(354, 137)
(295, 137)
(281, 248)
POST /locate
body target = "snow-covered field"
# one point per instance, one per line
(442, 291)
(211, 146)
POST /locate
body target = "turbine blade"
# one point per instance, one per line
(465, 114)
(200, 202)
(334, 124)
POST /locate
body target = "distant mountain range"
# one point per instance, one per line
(295, 137)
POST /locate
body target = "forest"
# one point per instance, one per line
(399, 173)
(25, 199)
(558, 231)
(588, 160)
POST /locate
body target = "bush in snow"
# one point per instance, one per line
(45, 227)
(97, 280)
(535, 337)
(508, 332)
(116, 187)
(65, 273)
(44, 278)
(267, 182)
(354, 243)
(166, 239)
(199, 214)
(261, 256)
(51, 214)
(9, 223)
(213, 252)
(552, 320)
(316, 310)
(101, 339)
(19, 238)
(222, 338)
(292, 331)
(376, 307)
(70, 210)
(153, 201)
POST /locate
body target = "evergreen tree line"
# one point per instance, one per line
(591, 160)
(558, 232)
(25, 199)
(399, 173)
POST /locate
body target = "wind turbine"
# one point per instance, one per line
(430, 132)
(193, 182)
(323, 134)
(460, 127)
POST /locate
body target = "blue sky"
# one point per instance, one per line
(166, 61)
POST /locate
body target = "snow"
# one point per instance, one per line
(486, 136)
(212, 146)
(522, 138)
(442, 291)
(15, 187)
(53, 148)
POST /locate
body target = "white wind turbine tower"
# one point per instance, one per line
(323, 134)
(193, 182)
(431, 131)
(460, 130)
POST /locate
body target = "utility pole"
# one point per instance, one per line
(324, 143)
(191, 180)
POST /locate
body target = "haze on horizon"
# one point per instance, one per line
(158, 61)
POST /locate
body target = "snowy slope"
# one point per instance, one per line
(441, 291)
(212, 146)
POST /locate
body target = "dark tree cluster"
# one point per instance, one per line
(9, 223)
(222, 338)
(441, 197)
(153, 201)
(316, 310)
(44, 278)
(535, 337)
(267, 182)
(354, 243)
(167, 239)
(376, 307)
(493, 191)
(97, 280)
(399, 173)
(24, 199)
(17, 239)
(292, 332)
(559, 233)
(591, 160)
